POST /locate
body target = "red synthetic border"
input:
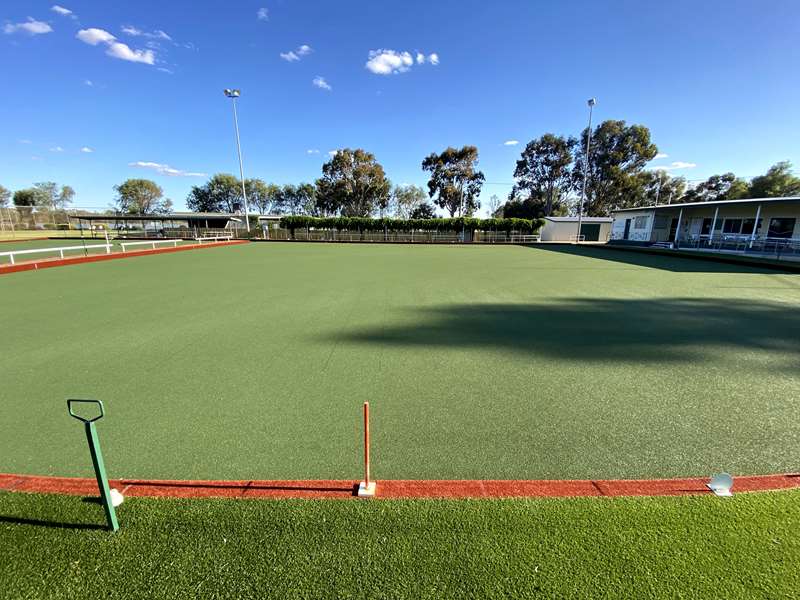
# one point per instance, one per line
(47, 263)
(393, 488)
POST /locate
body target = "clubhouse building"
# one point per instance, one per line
(759, 225)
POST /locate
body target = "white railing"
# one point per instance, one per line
(214, 238)
(524, 239)
(60, 251)
(577, 238)
(151, 243)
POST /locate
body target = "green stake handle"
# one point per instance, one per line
(97, 459)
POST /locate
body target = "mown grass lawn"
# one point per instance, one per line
(479, 362)
(747, 546)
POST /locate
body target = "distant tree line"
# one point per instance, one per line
(550, 174)
(548, 180)
(46, 195)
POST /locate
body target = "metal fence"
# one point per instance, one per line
(29, 218)
(400, 237)
(741, 243)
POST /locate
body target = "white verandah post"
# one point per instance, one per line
(713, 226)
(678, 228)
(755, 227)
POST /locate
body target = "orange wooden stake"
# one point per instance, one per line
(366, 488)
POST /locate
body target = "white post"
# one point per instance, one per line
(713, 226)
(678, 228)
(755, 227)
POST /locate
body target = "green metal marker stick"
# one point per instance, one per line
(97, 459)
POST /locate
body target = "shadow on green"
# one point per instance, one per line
(675, 264)
(640, 330)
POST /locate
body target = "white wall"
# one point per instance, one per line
(640, 225)
(565, 231)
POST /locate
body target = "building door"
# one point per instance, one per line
(591, 231)
(627, 233)
(673, 229)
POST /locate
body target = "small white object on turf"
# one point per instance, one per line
(721, 484)
(366, 490)
(116, 497)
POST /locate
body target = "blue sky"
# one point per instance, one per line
(142, 83)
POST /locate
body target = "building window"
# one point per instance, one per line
(747, 226)
(732, 226)
(706, 228)
(640, 223)
(660, 223)
(781, 228)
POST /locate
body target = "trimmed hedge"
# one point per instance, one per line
(368, 224)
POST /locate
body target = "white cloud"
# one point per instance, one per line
(389, 62)
(125, 52)
(136, 32)
(94, 36)
(660, 155)
(31, 27)
(297, 53)
(25, 142)
(510, 142)
(263, 14)
(56, 149)
(332, 153)
(87, 150)
(673, 166)
(65, 12)
(312, 151)
(163, 169)
(321, 83)
(88, 82)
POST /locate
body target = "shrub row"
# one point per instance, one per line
(368, 224)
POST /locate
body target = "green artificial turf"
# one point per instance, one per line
(747, 546)
(253, 361)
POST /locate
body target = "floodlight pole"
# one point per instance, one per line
(233, 95)
(591, 102)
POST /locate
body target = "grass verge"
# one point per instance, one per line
(744, 547)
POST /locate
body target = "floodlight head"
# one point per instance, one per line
(231, 93)
(591, 101)
(721, 484)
